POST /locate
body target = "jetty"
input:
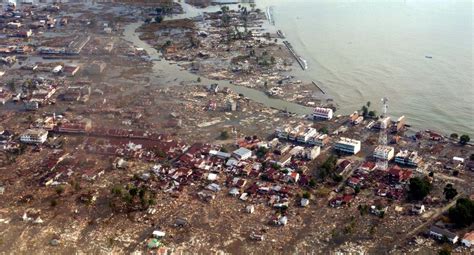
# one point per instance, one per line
(322, 91)
(299, 59)
(270, 15)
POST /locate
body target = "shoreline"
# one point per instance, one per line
(444, 126)
(264, 100)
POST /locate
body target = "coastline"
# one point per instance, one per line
(350, 96)
(282, 104)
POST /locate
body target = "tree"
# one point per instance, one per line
(324, 130)
(224, 135)
(364, 110)
(450, 192)
(368, 104)
(462, 214)
(261, 152)
(328, 167)
(59, 190)
(471, 157)
(445, 251)
(454, 136)
(158, 19)
(372, 114)
(464, 139)
(199, 79)
(306, 195)
(418, 188)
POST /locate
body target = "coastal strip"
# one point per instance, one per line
(320, 89)
(300, 60)
(270, 15)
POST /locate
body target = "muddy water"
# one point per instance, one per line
(166, 73)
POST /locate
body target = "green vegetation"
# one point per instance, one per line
(450, 192)
(261, 152)
(419, 188)
(59, 190)
(464, 139)
(454, 136)
(134, 197)
(372, 114)
(445, 251)
(158, 19)
(328, 167)
(363, 209)
(198, 79)
(307, 195)
(224, 135)
(324, 130)
(462, 214)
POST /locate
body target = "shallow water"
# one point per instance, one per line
(418, 53)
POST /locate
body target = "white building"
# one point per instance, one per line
(312, 152)
(322, 113)
(405, 157)
(35, 136)
(348, 145)
(384, 152)
(242, 153)
(319, 140)
(304, 136)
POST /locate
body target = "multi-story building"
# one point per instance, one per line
(383, 123)
(384, 152)
(322, 113)
(293, 135)
(348, 145)
(282, 132)
(319, 140)
(405, 157)
(35, 136)
(304, 136)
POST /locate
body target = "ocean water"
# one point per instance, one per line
(418, 53)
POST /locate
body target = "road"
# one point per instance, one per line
(436, 214)
(345, 176)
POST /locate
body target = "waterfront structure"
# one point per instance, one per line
(348, 145)
(384, 152)
(323, 113)
(383, 123)
(34, 136)
(405, 157)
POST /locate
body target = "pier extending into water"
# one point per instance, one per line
(320, 89)
(299, 59)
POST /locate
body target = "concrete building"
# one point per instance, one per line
(383, 123)
(34, 136)
(304, 136)
(348, 145)
(319, 140)
(242, 154)
(312, 152)
(405, 157)
(441, 233)
(384, 152)
(323, 113)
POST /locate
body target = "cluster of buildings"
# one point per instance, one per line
(303, 134)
